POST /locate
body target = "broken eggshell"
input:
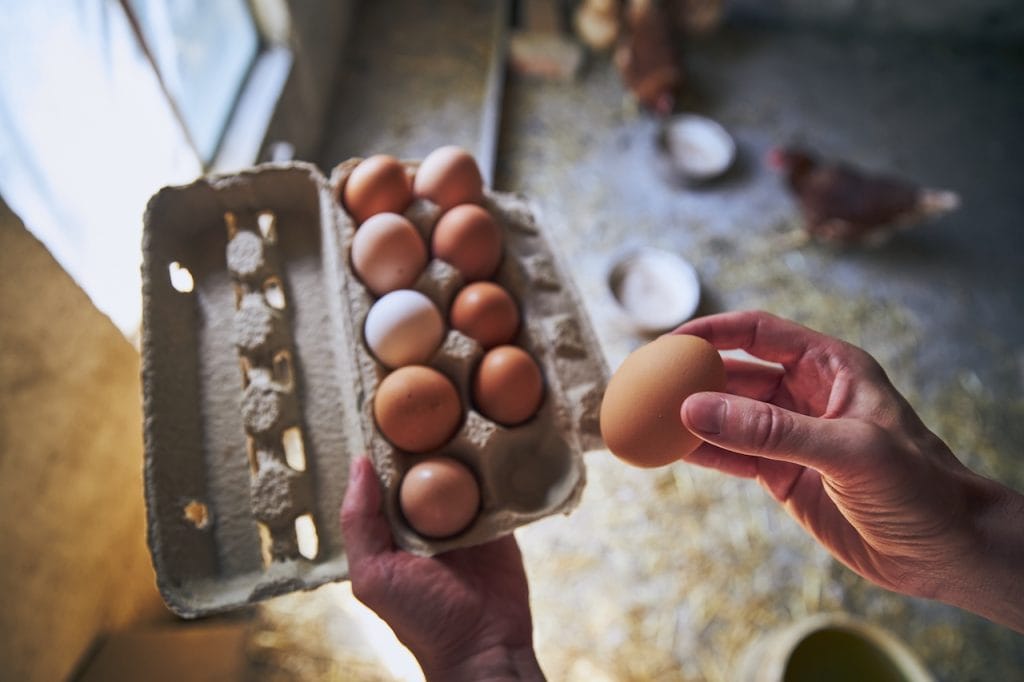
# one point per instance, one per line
(695, 149)
(654, 290)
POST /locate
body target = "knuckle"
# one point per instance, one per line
(864, 363)
(877, 441)
(769, 428)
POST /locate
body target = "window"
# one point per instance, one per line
(203, 52)
(102, 102)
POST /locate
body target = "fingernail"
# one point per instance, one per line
(706, 413)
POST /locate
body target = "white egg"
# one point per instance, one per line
(403, 328)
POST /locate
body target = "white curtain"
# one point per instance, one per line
(86, 137)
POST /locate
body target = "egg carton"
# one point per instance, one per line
(258, 387)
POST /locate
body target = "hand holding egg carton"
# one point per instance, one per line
(481, 378)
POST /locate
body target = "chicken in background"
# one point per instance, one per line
(846, 206)
(648, 58)
(598, 23)
(646, 36)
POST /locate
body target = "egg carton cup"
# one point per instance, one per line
(258, 388)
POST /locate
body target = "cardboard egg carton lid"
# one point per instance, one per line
(257, 387)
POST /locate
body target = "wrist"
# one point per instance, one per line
(493, 664)
(989, 579)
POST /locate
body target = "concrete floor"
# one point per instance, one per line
(669, 574)
(947, 117)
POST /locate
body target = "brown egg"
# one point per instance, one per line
(508, 386)
(640, 420)
(469, 238)
(378, 184)
(485, 312)
(417, 408)
(388, 253)
(439, 497)
(449, 176)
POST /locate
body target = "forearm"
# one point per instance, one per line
(992, 583)
(492, 665)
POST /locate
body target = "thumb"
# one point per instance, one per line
(752, 427)
(363, 525)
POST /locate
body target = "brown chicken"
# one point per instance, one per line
(844, 205)
(648, 58)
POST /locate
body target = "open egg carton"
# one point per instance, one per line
(259, 386)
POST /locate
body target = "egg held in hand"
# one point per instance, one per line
(640, 420)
